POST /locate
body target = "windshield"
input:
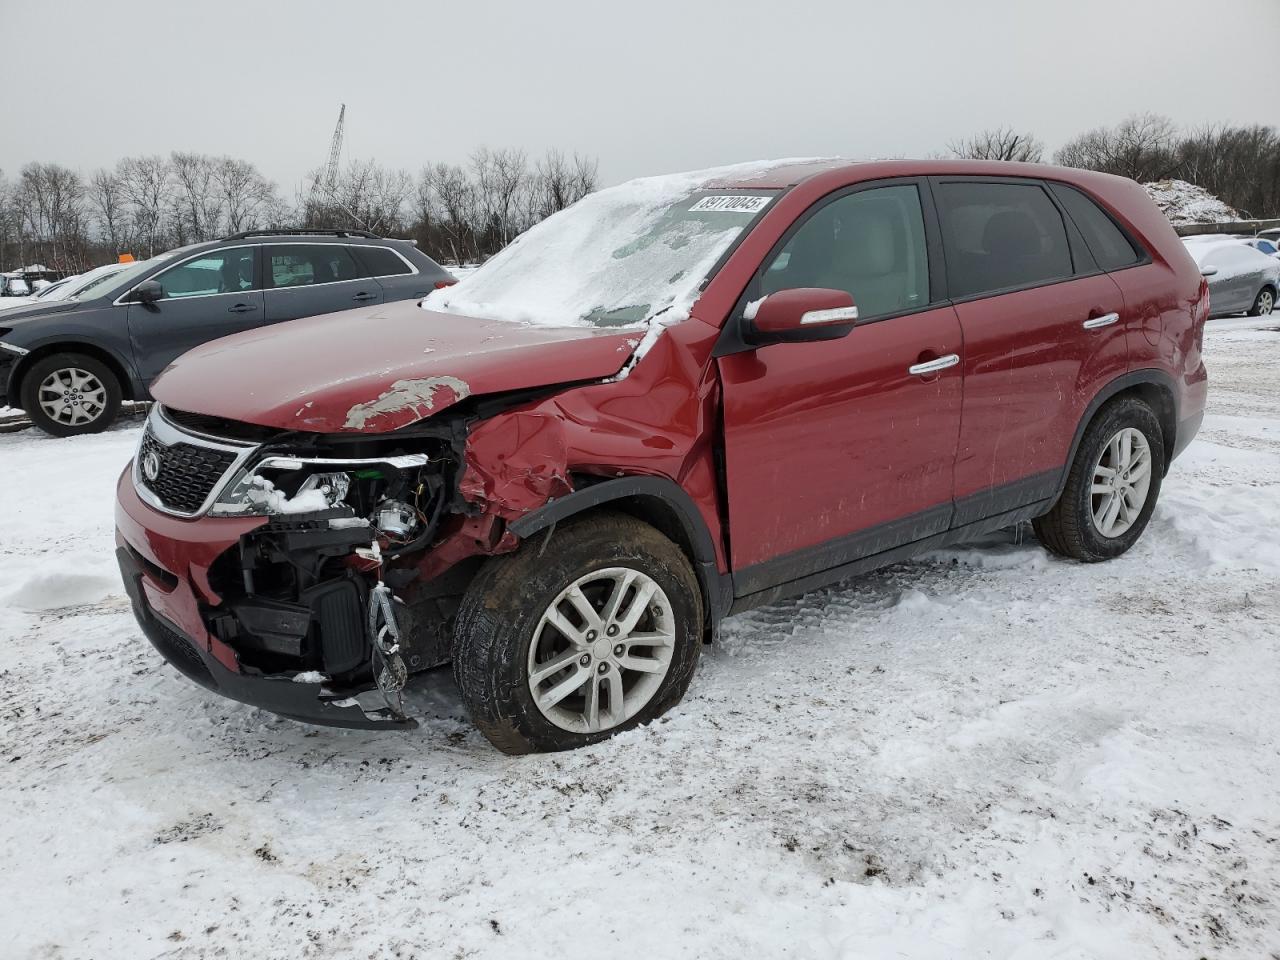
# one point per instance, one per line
(616, 258)
(96, 284)
(55, 291)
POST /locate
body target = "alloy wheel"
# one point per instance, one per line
(1266, 303)
(1121, 482)
(72, 397)
(601, 650)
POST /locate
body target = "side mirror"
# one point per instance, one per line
(148, 292)
(1208, 271)
(799, 315)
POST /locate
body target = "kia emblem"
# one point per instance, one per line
(151, 465)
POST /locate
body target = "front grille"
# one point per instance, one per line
(185, 474)
(219, 426)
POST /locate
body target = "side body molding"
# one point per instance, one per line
(717, 588)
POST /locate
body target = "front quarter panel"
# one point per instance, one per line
(656, 420)
(97, 324)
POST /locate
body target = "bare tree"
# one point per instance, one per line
(49, 201)
(557, 182)
(500, 176)
(196, 206)
(451, 194)
(108, 208)
(1239, 164)
(366, 196)
(1142, 147)
(586, 175)
(248, 199)
(145, 183)
(1004, 143)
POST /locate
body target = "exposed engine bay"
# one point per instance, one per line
(331, 587)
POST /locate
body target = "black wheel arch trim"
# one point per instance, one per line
(717, 587)
(1149, 376)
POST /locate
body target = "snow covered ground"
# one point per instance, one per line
(985, 753)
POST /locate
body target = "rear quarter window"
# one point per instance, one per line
(382, 261)
(1110, 246)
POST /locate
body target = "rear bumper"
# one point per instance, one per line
(1187, 431)
(165, 564)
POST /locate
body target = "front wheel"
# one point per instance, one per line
(68, 394)
(1264, 304)
(1112, 486)
(568, 641)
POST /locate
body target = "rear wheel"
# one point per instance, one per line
(566, 643)
(1264, 304)
(1112, 487)
(67, 394)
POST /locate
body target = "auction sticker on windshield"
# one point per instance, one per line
(731, 204)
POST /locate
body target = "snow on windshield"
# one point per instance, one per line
(616, 258)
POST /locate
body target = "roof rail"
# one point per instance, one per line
(303, 232)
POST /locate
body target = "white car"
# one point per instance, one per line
(1241, 278)
(69, 287)
(14, 287)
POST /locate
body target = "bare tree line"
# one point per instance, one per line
(56, 216)
(53, 215)
(456, 212)
(1240, 165)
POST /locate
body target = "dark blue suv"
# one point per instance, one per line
(70, 363)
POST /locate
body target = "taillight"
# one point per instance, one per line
(441, 284)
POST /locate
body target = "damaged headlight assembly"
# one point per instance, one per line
(262, 490)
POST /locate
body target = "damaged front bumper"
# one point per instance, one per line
(166, 565)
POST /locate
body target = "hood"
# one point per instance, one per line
(378, 369)
(18, 314)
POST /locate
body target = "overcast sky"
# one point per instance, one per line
(648, 87)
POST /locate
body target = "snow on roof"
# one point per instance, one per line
(1184, 202)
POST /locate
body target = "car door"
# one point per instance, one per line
(837, 450)
(306, 279)
(1041, 337)
(207, 296)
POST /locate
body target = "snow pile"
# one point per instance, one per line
(1184, 202)
(617, 257)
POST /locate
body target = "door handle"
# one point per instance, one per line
(1093, 323)
(933, 366)
(365, 296)
(243, 308)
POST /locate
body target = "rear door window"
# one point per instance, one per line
(1107, 242)
(382, 261)
(306, 265)
(1000, 236)
(870, 243)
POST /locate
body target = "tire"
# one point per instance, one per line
(1264, 303)
(95, 393)
(502, 617)
(1070, 529)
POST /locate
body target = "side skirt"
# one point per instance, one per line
(896, 555)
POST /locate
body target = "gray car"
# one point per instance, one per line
(70, 363)
(1241, 278)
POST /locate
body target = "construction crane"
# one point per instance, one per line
(329, 177)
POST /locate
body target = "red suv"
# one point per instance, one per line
(678, 399)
